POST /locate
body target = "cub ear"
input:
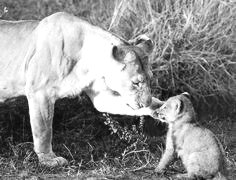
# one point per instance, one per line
(179, 106)
(144, 42)
(118, 53)
(187, 95)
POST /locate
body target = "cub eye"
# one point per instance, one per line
(164, 108)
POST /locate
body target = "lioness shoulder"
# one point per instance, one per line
(199, 149)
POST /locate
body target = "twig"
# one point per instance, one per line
(135, 152)
(69, 151)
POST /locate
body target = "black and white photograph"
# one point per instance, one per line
(118, 89)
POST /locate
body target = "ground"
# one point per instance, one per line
(93, 149)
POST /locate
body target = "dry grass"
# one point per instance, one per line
(195, 45)
(195, 51)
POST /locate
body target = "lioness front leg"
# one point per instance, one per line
(41, 109)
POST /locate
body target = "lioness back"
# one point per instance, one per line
(15, 40)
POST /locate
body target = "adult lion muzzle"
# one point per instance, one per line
(62, 56)
(145, 99)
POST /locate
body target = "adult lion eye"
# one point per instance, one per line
(136, 84)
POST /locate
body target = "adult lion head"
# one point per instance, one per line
(129, 76)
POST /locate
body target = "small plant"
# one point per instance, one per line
(123, 132)
(3, 11)
(136, 155)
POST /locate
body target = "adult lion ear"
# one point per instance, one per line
(118, 53)
(144, 42)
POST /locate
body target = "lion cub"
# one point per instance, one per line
(199, 149)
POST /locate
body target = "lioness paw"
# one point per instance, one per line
(51, 160)
(58, 161)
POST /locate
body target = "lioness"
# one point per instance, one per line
(200, 150)
(63, 55)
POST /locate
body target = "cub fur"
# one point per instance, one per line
(199, 149)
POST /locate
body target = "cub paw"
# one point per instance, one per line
(51, 160)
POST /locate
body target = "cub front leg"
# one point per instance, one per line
(41, 109)
(168, 154)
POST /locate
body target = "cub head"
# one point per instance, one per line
(129, 75)
(176, 108)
